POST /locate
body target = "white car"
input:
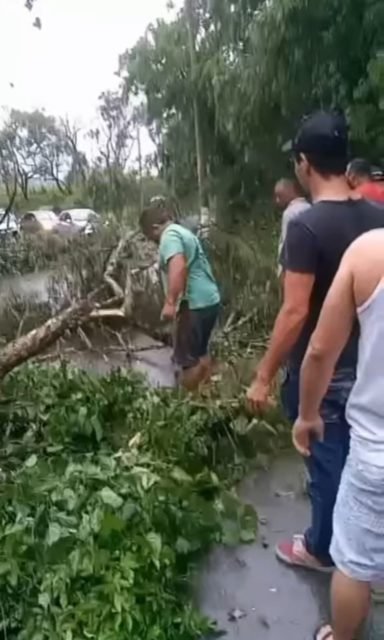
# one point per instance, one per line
(8, 224)
(86, 220)
(41, 220)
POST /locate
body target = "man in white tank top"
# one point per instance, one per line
(358, 523)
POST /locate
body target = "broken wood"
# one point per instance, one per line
(37, 340)
(95, 306)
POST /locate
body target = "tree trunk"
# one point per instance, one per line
(30, 345)
(34, 342)
(201, 174)
(140, 158)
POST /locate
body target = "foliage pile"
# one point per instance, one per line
(109, 492)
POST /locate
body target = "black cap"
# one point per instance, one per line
(324, 133)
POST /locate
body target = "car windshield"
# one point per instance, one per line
(45, 216)
(80, 216)
(47, 219)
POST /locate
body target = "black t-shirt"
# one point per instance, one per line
(316, 241)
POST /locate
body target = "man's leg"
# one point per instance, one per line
(357, 549)
(195, 329)
(350, 602)
(186, 350)
(192, 377)
(325, 467)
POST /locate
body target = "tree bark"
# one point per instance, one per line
(32, 343)
(200, 163)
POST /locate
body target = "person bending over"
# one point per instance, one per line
(192, 298)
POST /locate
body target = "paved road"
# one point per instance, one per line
(278, 602)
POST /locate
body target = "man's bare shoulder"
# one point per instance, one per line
(368, 247)
(364, 261)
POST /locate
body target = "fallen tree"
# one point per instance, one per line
(124, 275)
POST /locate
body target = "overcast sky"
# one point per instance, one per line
(64, 67)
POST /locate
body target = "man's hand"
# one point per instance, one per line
(259, 396)
(169, 312)
(304, 431)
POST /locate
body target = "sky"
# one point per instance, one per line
(65, 66)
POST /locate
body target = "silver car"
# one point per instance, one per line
(86, 220)
(35, 221)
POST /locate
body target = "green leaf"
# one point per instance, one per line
(5, 567)
(146, 478)
(44, 600)
(118, 602)
(129, 510)
(248, 535)
(155, 542)
(230, 533)
(31, 461)
(181, 476)
(111, 498)
(54, 534)
(182, 546)
(111, 523)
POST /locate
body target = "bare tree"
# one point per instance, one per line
(34, 145)
(115, 136)
(79, 163)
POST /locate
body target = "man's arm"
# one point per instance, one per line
(328, 341)
(289, 323)
(172, 255)
(176, 278)
(299, 265)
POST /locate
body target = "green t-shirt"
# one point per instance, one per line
(201, 290)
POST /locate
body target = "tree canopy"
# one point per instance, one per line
(259, 66)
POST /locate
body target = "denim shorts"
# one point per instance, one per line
(357, 546)
(192, 334)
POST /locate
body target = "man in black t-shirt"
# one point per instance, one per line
(315, 243)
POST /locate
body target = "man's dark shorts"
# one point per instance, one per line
(192, 334)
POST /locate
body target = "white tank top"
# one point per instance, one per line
(365, 408)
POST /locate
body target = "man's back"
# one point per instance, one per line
(316, 242)
(201, 290)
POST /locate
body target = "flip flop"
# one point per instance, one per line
(323, 633)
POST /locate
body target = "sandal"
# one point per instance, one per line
(293, 552)
(323, 633)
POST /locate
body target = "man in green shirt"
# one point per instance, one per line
(192, 299)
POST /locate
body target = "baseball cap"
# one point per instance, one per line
(324, 133)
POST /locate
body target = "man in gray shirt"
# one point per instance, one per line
(290, 200)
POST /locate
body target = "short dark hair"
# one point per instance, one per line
(158, 212)
(360, 167)
(323, 139)
(325, 165)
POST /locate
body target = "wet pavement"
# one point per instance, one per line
(270, 600)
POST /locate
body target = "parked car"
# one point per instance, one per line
(35, 221)
(85, 220)
(9, 225)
